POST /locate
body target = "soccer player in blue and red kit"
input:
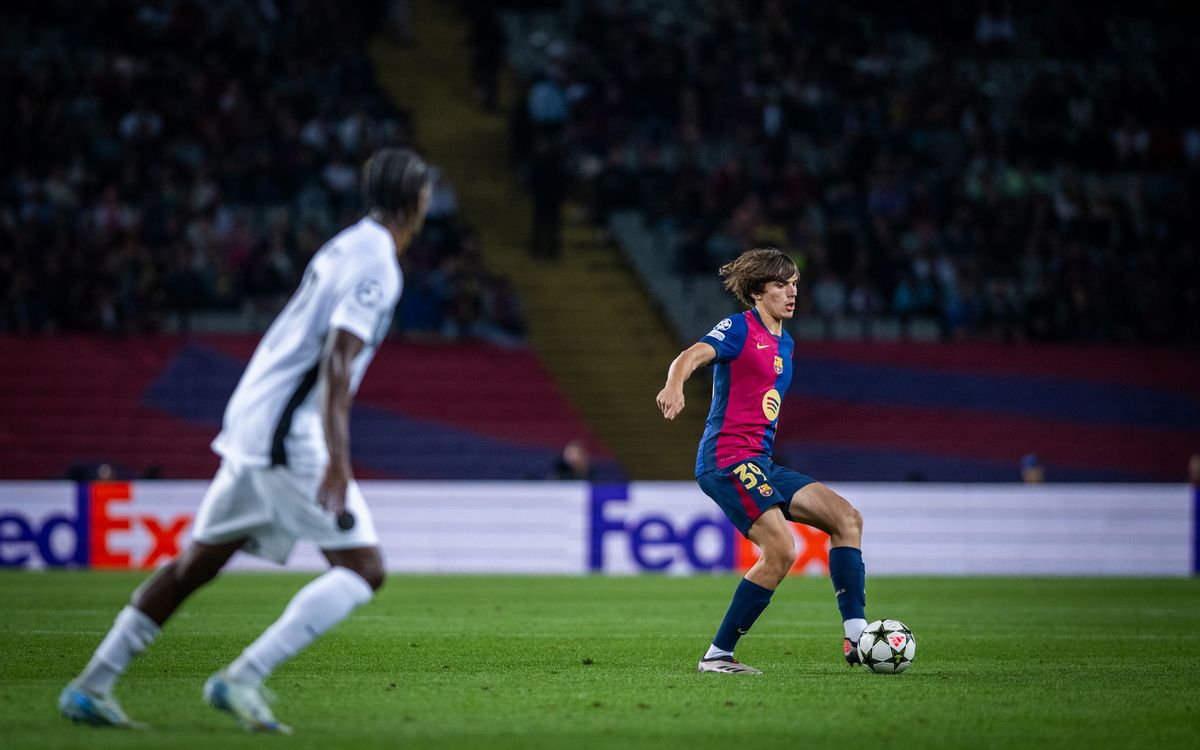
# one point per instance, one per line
(751, 356)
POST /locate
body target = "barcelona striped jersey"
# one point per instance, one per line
(750, 375)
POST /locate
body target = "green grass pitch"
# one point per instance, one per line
(593, 662)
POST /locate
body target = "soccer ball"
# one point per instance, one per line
(886, 646)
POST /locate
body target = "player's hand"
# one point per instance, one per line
(332, 492)
(670, 401)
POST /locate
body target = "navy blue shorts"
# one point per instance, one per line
(747, 489)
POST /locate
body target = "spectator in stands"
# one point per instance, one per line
(548, 109)
(1032, 470)
(547, 188)
(574, 463)
(487, 54)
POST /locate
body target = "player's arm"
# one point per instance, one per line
(335, 413)
(670, 398)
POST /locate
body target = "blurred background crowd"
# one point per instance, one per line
(979, 172)
(174, 163)
(1008, 169)
(1012, 170)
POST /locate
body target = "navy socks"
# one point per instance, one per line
(749, 601)
(849, 581)
(849, 577)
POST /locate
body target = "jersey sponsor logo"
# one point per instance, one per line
(714, 333)
(369, 293)
(723, 325)
(765, 490)
(770, 404)
(778, 365)
(761, 346)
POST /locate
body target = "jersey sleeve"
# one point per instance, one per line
(727, 337)
(366, 302)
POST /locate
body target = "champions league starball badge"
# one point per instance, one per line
(368, 293)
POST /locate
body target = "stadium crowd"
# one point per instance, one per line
(1012, 170)
(167, 157)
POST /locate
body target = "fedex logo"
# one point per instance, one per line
(97, 530)
(655, 540)
(676, 529)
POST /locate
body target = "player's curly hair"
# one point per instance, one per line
(749, 273)
(391, 182)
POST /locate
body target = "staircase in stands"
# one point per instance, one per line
(590, 321)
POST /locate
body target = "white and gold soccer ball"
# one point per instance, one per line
(887, 647)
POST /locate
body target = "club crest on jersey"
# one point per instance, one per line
(368, 293)
(770, 404)
(765, 490)
(778, 365)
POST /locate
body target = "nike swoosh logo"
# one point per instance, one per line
(762, 346)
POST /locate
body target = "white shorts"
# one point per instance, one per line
(272, 507)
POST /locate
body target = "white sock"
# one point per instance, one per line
(854, 628)
(314, 609)
(131, 633)
(713, 651)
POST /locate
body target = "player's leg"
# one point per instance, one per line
(174, 582)
(88, 698)
(774, 538)
(354, 576)
(351, 581)
(752, 504)
(818, 506)
(356, 572)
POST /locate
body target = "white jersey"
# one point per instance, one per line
(274, 416)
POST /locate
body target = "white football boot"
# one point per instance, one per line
(77, 703)
(245, 701)
(726, 664)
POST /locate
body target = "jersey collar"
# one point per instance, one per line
(764, 325)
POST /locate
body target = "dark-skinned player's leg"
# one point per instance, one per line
(355, 575)
(163, 592)
(366, 561)
(88, 698)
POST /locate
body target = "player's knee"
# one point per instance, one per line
(779, 558)
(851, 522)
(375, 577)
(371, 571)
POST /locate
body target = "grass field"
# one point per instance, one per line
(515, 662)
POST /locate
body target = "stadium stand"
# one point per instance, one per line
(941, 193)
(172, 166)
(986, 171)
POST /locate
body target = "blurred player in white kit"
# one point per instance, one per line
(285, 461)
